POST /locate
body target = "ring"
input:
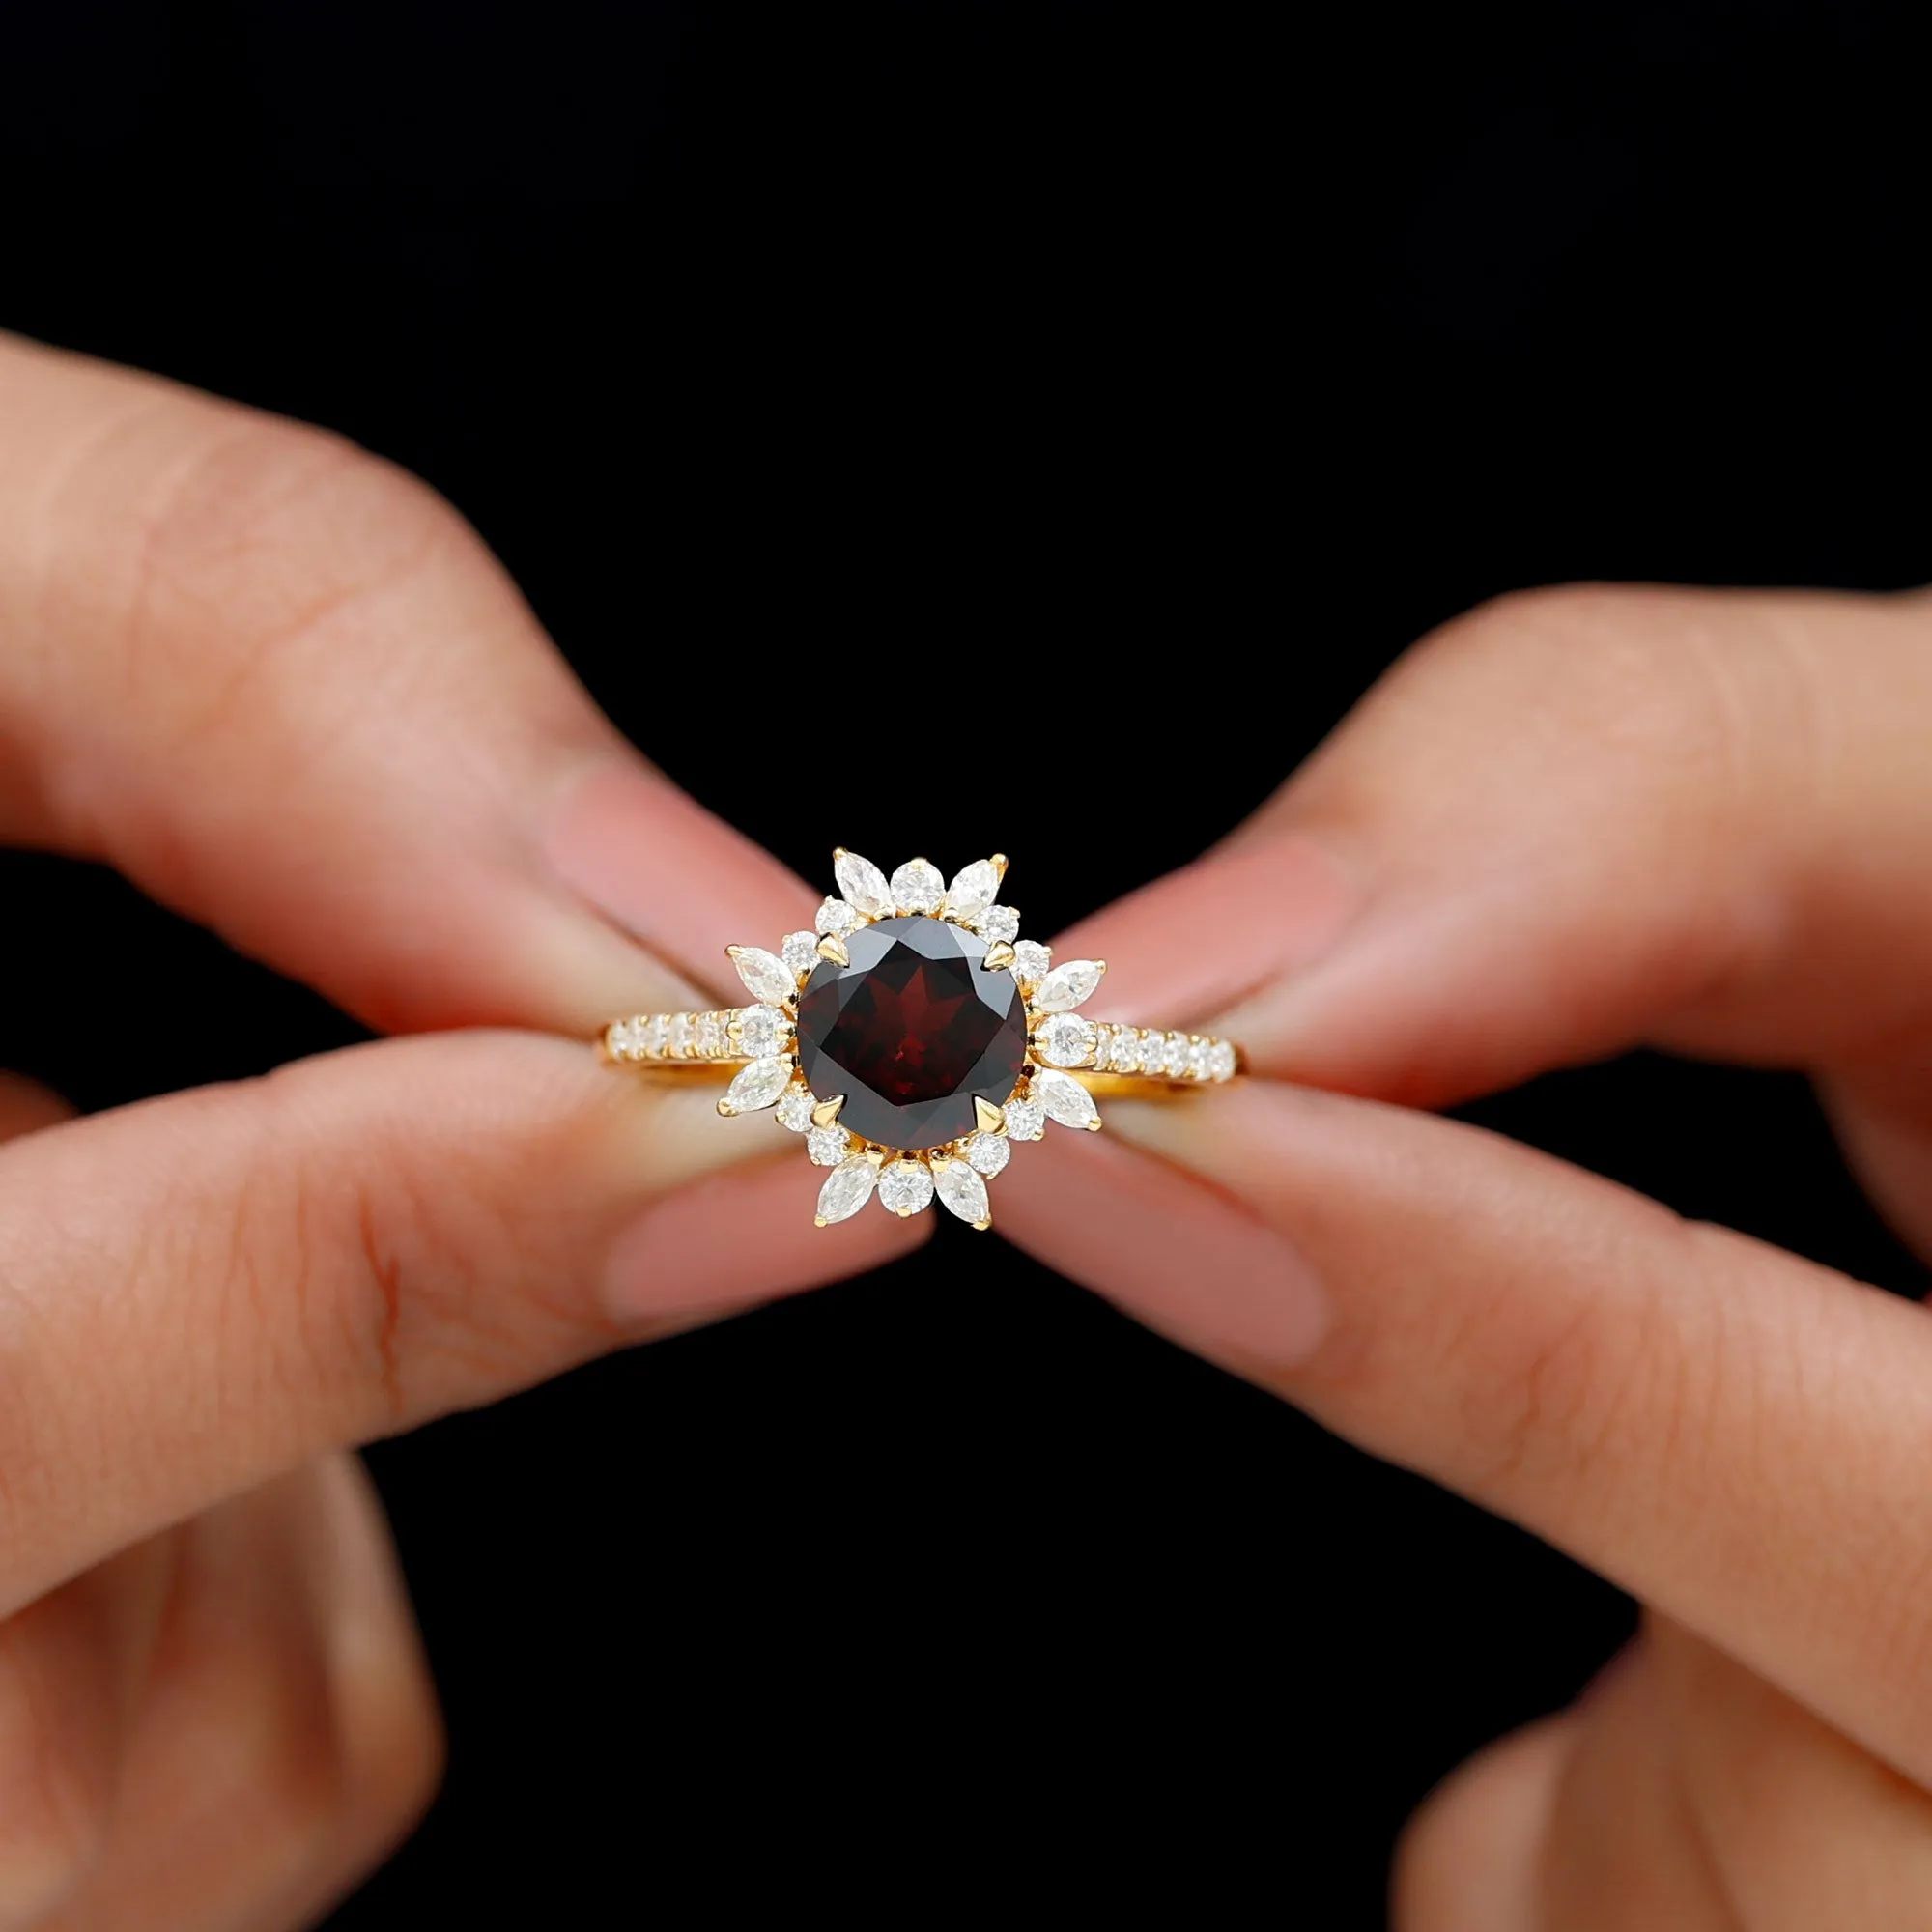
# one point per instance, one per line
(913, 1037)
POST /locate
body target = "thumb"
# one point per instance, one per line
(342, 1250)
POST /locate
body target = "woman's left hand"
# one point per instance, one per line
(1574, 822)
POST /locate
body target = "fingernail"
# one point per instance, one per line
(669, 873)
(741, 1238)
(1208, 937)
(1187, 1260)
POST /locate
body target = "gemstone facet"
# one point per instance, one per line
(911, 1031)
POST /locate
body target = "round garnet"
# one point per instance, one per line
(913, 1032)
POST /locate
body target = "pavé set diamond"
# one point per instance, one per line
(913, 1037)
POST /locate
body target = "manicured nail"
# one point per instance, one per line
(1187, 1260)
(740, 1237)
(671, 876)
(1213, 935)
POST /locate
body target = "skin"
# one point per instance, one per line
(286, 691)
(1574, 822)
(282, 687)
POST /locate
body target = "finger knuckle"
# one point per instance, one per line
(233, 564)
(1565, 1380)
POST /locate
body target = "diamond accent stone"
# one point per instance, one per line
(621, 1041)
(997, 923)
(828, 1146)
(762, 1030)
(905, 1188)
(1153, 1051)
(1026, 1120)
(1065, 1099)
(795, 1109)
(799, 951)
(986, 1153)
(964, 1192)
(1065, 1040)
(919, 887)
(1197, 1060)
(1176, 1057)
(847, 1189)
(971, 890)
(836, 917)
(677, 1034)
(708, 1037)
(765, 975)
(1067, 986)
(913, 1030)
(864, 885)
(649, 1034)
(1032, 961)
(1221, 1061)
(758, 1085)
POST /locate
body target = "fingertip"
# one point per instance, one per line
(735, 1238)
(1188, 1259)
(1211, 935)
(669, 873)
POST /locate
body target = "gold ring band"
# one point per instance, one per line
(913, 1037)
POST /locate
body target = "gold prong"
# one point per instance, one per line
(991, 1119)
(1000, 864)
(840, 852)
(733, 951)
(819, 1221)
(832, 948)
(997, 954)
(1094, 1126)
(726, 1108)
(876, 1156)
(982, 1225)
(905, 1213)
(826, 1113)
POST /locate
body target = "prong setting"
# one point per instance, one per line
(1022, 1057)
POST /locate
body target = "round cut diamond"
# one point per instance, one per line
(835, 915)
(919, 887)
(795, 1109)
(1220, 1060)
(986, 1153)
(1176, 1055)
(1031, 960)
(911, 1031)
(997, 923)
(761, 1030)
(828, 1146)
(1026, 1120)
(1067, 1041)
(905, 1188)
(799, 951)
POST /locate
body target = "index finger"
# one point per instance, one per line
(285, 688)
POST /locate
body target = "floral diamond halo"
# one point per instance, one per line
(913, 1037)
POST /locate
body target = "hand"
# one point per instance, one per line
(1575, 822)
(286, 691)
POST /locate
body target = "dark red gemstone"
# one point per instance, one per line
(911, 1031)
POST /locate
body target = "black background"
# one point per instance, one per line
(800, 350)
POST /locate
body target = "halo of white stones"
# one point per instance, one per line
(763, 1039)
